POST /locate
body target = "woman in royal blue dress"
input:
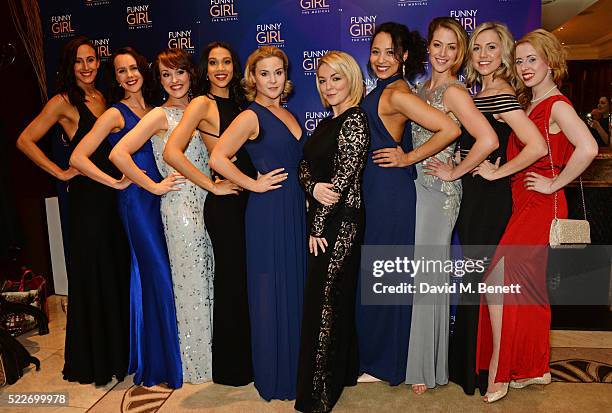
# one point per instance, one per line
(389, 194)
(275, 220)
(154, 349)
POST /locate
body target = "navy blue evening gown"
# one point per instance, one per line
(389, 197)
(276, 259)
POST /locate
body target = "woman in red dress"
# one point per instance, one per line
(513, 337)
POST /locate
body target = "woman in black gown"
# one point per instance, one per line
(334, 158)
(97, 325)
(486, 206)
(211, 113)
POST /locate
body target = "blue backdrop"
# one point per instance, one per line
(304, 29)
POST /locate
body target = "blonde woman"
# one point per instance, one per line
(275, 220)
(335, 154)
(513, 340)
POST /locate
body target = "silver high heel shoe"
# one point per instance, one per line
(494, 396)
(545, 379)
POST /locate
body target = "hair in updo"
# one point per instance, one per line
(404, 40)
(235, 88)
(550, 49)
(115, 92)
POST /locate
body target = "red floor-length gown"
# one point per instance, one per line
(524, 349)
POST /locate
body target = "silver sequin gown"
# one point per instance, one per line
(436, 212)
(191, 256)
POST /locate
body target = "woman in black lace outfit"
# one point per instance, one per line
(334, 158)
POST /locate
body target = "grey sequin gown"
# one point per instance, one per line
(437, 209)
(191, 256)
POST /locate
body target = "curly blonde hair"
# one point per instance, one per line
(554, 54)
(343, 64)
(264, 52)
(505, 70)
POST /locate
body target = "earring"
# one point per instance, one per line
(403, 71)
(206, 77)
(120, 85)
(190, 94)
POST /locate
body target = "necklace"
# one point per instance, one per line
(544, 95)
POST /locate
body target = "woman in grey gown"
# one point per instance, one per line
(182, 211)
(438, 201)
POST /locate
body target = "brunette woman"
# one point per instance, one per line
(97, 324)
(154, 349)
(189, 246)
(210, 114)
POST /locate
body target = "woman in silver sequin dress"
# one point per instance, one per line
(189, 246)
(438, 201)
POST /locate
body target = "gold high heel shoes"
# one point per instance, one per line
(494, 396)
(545, 379)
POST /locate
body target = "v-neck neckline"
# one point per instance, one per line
(297, 139)
(131, 111)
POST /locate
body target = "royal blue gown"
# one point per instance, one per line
(155, 356)
(389, 197)
(276, 259)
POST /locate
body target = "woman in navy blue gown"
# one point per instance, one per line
(275, 220)
(389, 192)
(154, 348)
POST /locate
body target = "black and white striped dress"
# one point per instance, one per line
(485, 209)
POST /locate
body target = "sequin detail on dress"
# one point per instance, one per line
(191, 256)
(420, 135)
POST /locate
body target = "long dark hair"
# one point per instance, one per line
(235, 90)
(115, 92)
(404, 40)
(66, 80)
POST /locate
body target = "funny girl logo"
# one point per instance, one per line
(370, 84)
(103, 48)
(223, 11)
(181, 40)
(314, 6)
(411, 3)
(467, 18)
(62, 26)
(312, 119)
(269, 34)
(138, 17)
(310, 61)
(92, 3)
(362, 28)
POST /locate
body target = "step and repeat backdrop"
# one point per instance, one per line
(304, 29)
